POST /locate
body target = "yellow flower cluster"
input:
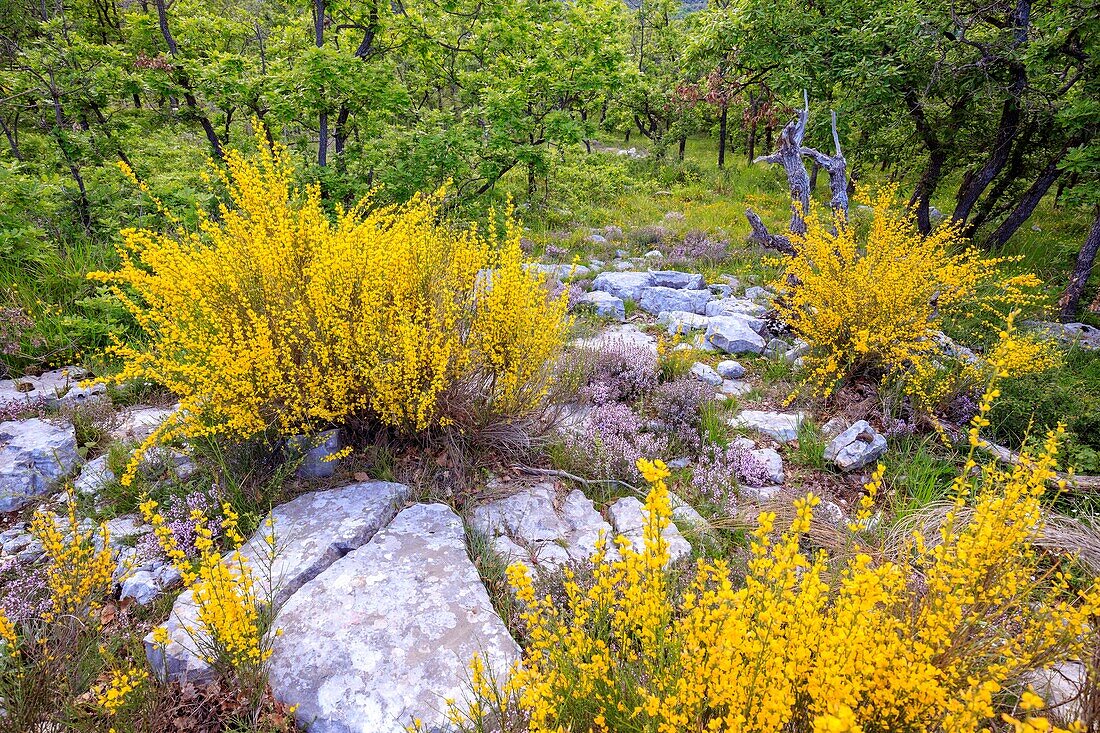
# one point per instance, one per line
(935, 639)
(9, 639)
(112, 695)
(874, 302)
(81, 565)
(274, 316)
(234, 612)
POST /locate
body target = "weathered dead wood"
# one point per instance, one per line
(760, 235)
(788, 154)
(837, 168)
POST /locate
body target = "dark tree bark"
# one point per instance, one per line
(933, 170)
(1026, 204)
(722, 124)
(760, 235)
(185, 82)
(83, 205)
(1070, 302)
(319, 40)
(13, 142)
(682, 148)
(974, 183)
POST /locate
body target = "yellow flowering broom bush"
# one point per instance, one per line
(52, 658)
(937, 639)
(273, 316)
(877, 303)
(234, 598)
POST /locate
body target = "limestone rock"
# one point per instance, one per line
(856, 447)
(628, 516)
(625, 285)
(606, 304)
(678, 280)
(94, 475)
(706, 374)
(627, 334)
(734, 307)
(527, 515)
(681, 323)
(35, 455)
(139, 423)
(730, 369)
(773, 461)
(654, 300)
(388, 631)
(54, 389)
(782, 426)
(311, 532)
(586, 526)
(733, 335)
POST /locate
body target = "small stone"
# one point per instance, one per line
(94, 476)
(773, 461)
(734, 387)
(733, 336)
(315, 452)
(730, 369)
(628, 516)
(606, 304)
(598, 239)
(782, 426)
(758, 293)
(776, 346)
(677, 280)
(681, 323)
(704, 373)
(734, 307)
(856, 447)
(138, 423)
(720, 290)
(834, 426)
(654, 254)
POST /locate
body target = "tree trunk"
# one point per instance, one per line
(751, 143)
(1026, 205)
(975, 182)
(722, 122)
(683, 145)
(185, 82)
(1070, 302)
(318, 41)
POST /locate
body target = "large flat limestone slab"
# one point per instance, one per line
(312, 532)
(387, 633)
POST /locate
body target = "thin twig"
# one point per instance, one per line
(573, 477)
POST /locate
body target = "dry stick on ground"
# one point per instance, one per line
(587, 483)
(1082, 483)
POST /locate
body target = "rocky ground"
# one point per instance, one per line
(382, 605)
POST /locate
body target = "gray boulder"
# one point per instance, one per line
(681, 323)
(606, 304)
(386, 634)
(311, 532)
(625, 285)
(628, 516)
(678, 280)
(734, 307)
(774, 463)
(139, 423)
(35, 455)
(705, 373)
(733, 335)
(758, 293)
(94, 475)
(856, 447)
(782, 426)
(730, 369)
(654, 300)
